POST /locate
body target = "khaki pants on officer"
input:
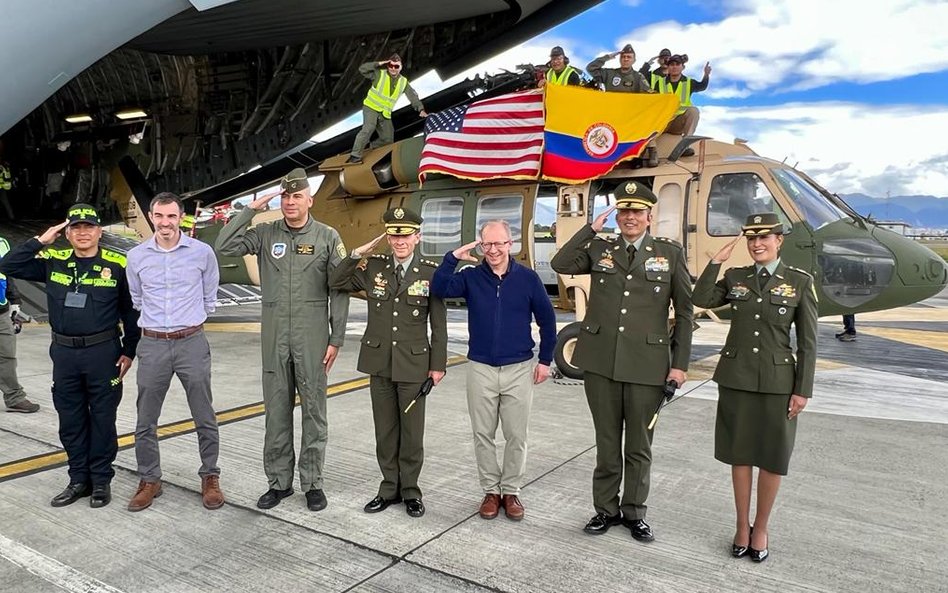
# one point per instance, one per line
(614, 404)
(373, 121)
(12, 390)
(685, 123)
(399, 437)
(503, 394)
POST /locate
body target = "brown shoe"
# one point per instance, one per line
(513, 507)
(490, 506)
(147, 492)
(211, 493)
(24, 406)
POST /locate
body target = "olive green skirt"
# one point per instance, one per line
(753, 429)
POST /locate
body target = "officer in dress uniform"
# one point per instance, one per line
(303, 325)
(87, 296)
(396, 351)
(624, 347)
(762, 387)
(624, 79)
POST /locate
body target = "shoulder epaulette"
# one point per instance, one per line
(379, 256)
(56, 254)
(804, 272)
(113, 256)
(428, 262)
(668, 241)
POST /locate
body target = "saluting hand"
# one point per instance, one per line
(463, 253)
(725, 253)
(331, 353)
(797, 403)
(436, 376)
(124, 363)
(261, 202)
(366, 249)
(52, 233)
(601, 219)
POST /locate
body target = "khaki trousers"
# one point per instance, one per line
(684, 124)
(501, 394)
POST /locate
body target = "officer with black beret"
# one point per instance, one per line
(87, 296)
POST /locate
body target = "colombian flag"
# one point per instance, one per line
(588, 132)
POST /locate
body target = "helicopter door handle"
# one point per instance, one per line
(806, 244)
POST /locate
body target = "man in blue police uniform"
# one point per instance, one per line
(87, 296)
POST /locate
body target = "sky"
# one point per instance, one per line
(853, 91)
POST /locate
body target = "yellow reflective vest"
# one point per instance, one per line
(382, 96)
(562, 78)
(6, 178)
(683, 91)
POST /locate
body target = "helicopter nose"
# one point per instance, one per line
(920, 270)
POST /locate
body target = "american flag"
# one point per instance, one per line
(497, 137)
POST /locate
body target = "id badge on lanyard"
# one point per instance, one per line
(76, 299)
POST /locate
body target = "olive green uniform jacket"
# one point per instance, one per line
(625, 333)
(614, 79)
(301, 317)
(396, 344)
(757, 356)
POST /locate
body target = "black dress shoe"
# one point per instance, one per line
(758, 555)
(316, 500)
(272, 497)
(601, 523)
(640, 530)
(71, 494)
(414, 507)
(101, 496)
(379, 504)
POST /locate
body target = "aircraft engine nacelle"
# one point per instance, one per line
(380, 171)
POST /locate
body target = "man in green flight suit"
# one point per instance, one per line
(624, 79)
(624, 347)
(303, 327)
(388, 84)
(396, 352)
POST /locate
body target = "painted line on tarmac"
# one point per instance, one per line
(51, 570)
(45, 461)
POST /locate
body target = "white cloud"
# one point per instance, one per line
(847, 147)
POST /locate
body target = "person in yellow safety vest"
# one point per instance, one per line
(686, 119)
(6, 184)
(387, 86)
(187, 224)
(654, 76)
(559, 71)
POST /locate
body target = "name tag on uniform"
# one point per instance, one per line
(305, 249)
(76, 300)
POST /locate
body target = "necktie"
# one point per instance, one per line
(762, 278)
(631, 251)
(398, 275)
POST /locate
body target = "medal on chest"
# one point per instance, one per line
(381, 284)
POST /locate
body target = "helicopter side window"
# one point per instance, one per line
(441, 229)
(509, 208)
(817, 209)
(734, 197)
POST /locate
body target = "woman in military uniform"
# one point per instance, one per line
(761, 386)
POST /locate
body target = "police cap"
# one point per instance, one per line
(82, 213)
(627, 49)
(765, 223)
(633, 195)
(296, 180)
(401, 221)
(557, 51)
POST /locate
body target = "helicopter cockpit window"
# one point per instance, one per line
(734, 197)
(509, 208)
(817, 209)
(441, 229)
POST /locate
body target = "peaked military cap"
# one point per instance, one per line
(765, 223)
(395, 58)
(665, 53)
(627, 49)
(83, 213)
(401, 221)
(296, 180)
(633, 195)
(557, 51)
(676, 58)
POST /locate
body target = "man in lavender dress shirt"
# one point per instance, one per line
(173, 281)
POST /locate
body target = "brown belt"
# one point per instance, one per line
(181, 333)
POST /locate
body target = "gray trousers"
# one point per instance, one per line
(190, 359)
(373, 121)
(500, 394)
(12, 390)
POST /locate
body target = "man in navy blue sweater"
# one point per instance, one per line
(503, 297)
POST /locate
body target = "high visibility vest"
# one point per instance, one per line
(656, 80)
(381, 96)
(4, 249)
(683, 92)
(6, 179)
(562, 78)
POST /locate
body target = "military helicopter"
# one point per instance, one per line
(703, 199)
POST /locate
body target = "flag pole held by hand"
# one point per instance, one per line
(668, 392)
(422, 392)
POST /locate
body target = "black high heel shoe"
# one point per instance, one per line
(759, 555)
(741, 551)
